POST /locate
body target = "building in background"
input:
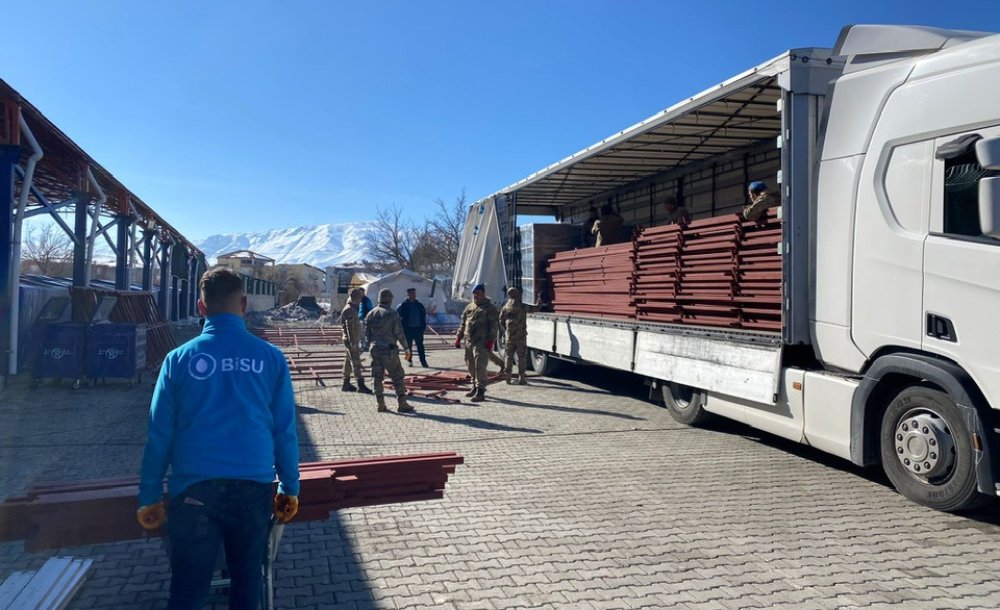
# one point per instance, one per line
(245, 262)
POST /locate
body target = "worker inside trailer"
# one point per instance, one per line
(676, 214)
(608, 228)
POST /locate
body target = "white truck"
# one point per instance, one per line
(885, 151)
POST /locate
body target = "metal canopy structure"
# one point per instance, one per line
(62, 171)
(44, 172)
(733, 115)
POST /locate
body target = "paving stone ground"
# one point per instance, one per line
(576, 493)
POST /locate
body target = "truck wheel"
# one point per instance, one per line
(544, 364)
(926, 451)
(685, 404)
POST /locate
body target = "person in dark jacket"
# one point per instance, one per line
(364, 308)
(414, 317)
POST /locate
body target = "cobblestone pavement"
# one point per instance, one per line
(576, 493)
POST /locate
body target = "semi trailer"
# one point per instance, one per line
(884, 152)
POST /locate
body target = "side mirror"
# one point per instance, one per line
(988, 153)
(989, 206)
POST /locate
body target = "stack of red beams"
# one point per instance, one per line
(720, 272)
(759, 274)
(294, 337)
(657, 274)
(95, 512)
(707, 282)
(593, 280)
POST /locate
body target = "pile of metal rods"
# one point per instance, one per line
(57, 515)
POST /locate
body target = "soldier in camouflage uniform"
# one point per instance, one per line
(479, 328)
(351, 325)
(514, 321)
(384, 331)
(760, 202)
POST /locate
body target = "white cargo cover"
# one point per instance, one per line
(480, 258)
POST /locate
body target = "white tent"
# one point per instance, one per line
(429, 292)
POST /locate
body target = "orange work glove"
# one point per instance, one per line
(458, 342)
(408, 355)
(489, 345)
(151, 517)
(285, 507)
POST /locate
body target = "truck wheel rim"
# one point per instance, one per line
(924, 446)
(683, 395)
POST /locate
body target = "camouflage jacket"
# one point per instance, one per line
(351, 324)
(759, 205)
(514, 320)
(384, 329)
(479, 323)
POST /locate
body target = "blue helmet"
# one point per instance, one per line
(757, 186)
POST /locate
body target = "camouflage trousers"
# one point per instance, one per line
(353, 364)
(477, 357)
(520, 348)
(387, 362)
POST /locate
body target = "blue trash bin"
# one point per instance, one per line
(63, 352)
(116, 351)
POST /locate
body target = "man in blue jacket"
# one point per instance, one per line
(413, 315)
(223, 419)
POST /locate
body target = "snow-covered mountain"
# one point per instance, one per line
(320, 245)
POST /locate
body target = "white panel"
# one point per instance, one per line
(783, 417)
(727, 406)
(611, 347)
(827, 405)
(908, 184)
(834, 239)
(540, 333)
(834, 346)
(857, 101)
(735, 369)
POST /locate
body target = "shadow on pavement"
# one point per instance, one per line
(306, 410)
(518, 403)
(472, 423)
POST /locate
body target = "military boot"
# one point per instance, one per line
(480, 395)
(402, 406)
(347, 387)
(522, 380)
(507, 377)
(362, 388)
(471, 392)
(381, 404)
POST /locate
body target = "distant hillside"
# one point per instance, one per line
(321, 245)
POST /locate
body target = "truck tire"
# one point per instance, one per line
(685, 404)
(926, 451)
(543, 363)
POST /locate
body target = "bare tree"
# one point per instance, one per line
(48, 249)
(393, 239)
(447, 225)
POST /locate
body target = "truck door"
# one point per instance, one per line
(961, 302)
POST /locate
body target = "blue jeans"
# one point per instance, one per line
(232, 513)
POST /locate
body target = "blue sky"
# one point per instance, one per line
(231, 116)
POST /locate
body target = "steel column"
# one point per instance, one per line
(193, 296)
(121, 253)
(147, 260)
(175, 290)
(9, 155)
(80, 240)
(183, 300)
(164, 300)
